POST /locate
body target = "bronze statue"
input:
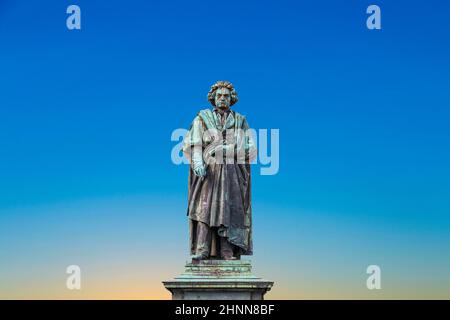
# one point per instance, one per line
(220, 149)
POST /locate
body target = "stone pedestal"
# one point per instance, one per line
(218, 280)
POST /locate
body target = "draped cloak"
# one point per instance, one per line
(221, 199)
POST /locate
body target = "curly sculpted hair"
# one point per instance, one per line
(222, 84)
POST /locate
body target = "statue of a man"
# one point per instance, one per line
(220, 149)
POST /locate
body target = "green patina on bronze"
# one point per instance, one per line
(219, 202)
(219, 280)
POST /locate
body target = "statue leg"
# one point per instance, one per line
(203, 241)
(226, 249)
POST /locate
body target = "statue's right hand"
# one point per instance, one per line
(200, 171)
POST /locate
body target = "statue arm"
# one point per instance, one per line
(193, 146)
(247, 145)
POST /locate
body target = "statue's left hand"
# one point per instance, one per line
(200, 171)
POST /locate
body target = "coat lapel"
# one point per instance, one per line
(212, 121)
(229, 123)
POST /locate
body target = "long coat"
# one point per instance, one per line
(222, 198)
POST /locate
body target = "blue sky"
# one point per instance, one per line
(86, 118)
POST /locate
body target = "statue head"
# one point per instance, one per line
(222, 95)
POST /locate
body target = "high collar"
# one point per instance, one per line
(216, 110)
(223, 120)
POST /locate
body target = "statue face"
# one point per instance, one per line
(223, 98)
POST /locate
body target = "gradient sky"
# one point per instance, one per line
(86, 117)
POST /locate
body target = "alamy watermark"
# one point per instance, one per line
(73, 21)
(73, 281)
(374, 20)
(232, 146)
(374, 280)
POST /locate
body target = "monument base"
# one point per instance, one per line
(218, 280)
